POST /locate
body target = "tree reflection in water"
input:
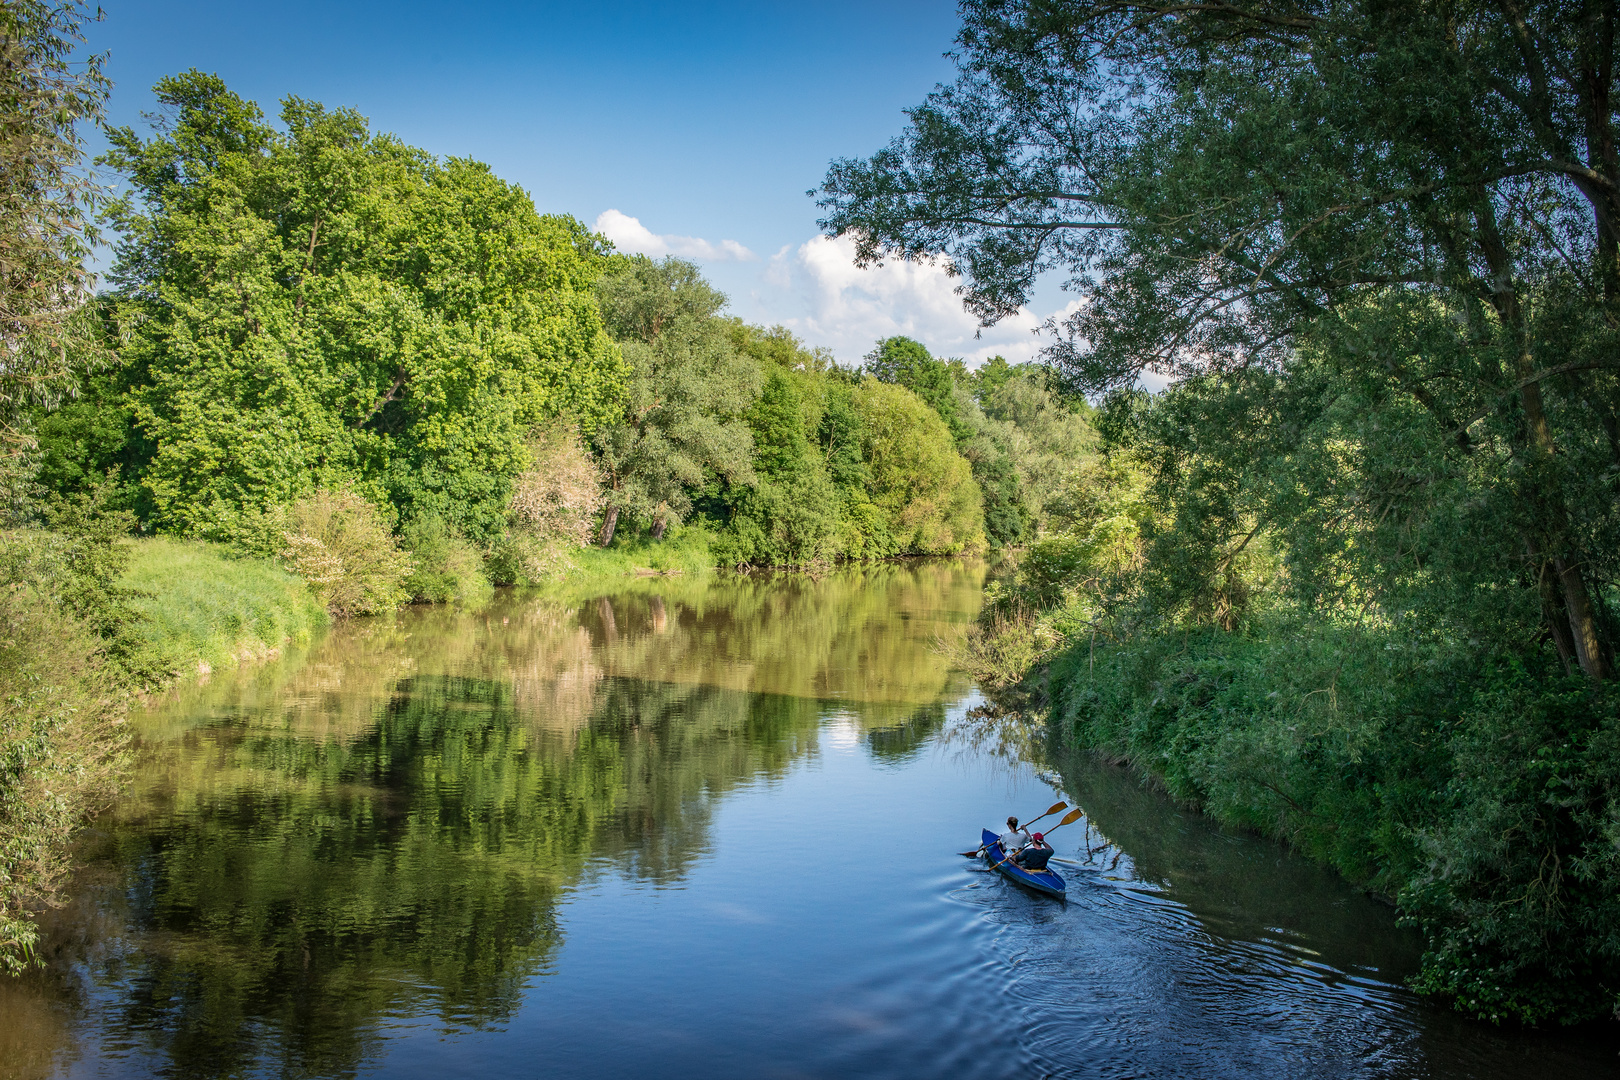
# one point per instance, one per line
(382, 828)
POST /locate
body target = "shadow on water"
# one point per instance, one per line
(1300, 942)
(1238, 886)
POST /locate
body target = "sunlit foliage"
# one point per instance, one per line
(312, 305)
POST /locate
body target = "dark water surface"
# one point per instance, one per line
(691, 829)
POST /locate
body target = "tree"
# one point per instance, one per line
(318, 306)
(1224, 191)
(49, 332)
(942, 385)
(1049, 438)
(923, 487)
(682, 420)
(908, 363)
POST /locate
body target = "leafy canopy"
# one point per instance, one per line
(48, 332)
(315, 306)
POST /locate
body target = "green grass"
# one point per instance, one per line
(207, 611)
(683, 551)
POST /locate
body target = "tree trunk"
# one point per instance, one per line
(610, 521)
(1583, 630)
(1582, 621)
(1552, 607)
(1578, 613)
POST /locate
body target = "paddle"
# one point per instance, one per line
(1054, 808)
(1072, 816)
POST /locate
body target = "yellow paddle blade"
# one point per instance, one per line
(1073, 815)
(1055, 807)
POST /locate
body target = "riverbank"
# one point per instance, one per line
(203, 610)
(1470, 790)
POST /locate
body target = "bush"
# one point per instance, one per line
(793, 522)
(445, 566)
(559, 496)
(1520, 892)
(1485, 797)
(340, 544)
(62, 708)
(553, 511)
(1003, 648)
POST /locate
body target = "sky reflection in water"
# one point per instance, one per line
(689, 829)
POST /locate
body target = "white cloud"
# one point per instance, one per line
(848, 309)
(629, 234)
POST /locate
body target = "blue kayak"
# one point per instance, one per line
(1042, 881)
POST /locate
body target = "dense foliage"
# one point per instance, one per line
(46, 332)
(1353, 577)
(68, 656)
(318, 306)
(312, 312)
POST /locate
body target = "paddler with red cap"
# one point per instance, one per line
(1034, 855)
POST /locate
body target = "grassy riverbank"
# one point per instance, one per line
(89, 619)
(686, 550)
(1476, 793)
(204, 610)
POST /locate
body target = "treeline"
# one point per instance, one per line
(329, 345)
(1354, 578)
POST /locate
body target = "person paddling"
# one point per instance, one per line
(1014, 838)
(1033, 858)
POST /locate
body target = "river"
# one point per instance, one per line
(694, 828)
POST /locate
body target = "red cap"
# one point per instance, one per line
(1036, 836)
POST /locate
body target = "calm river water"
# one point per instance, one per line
(691, 829)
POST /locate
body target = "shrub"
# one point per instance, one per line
(446, 567)
(560, 495)
(793, 522)
(553, 511)
(62, 708)
(1481, 793)
(340, 544)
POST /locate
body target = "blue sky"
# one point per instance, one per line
(687, 128)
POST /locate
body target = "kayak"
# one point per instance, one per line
(1043, 881)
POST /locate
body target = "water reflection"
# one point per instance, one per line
(383, 828)
(721, 815)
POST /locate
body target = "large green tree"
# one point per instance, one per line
(48, 331)
(985, 444)
(682, 423)
(925, 491)
(314, 305)
(1234, 201)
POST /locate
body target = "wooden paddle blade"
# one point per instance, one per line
(1054, 808)
(971, 854)
(1072, 816)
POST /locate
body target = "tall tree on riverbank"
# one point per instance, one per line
(682, 421)
(316, 305)
(1231, 197)
(47, 327)
(944, 386)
